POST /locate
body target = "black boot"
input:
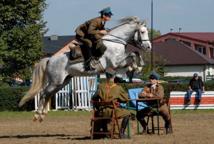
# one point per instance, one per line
(144, 125)
(87, 65)
(168, 127)
(90, 64)
(86, 51)
(124, 124)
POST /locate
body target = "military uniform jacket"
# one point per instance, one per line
(158, 91)
(90, 29)
(112, 92)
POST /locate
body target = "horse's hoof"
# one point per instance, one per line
(35, 118)
(41, 118)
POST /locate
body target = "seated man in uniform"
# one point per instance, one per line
(89, 34)
(110, 91)
(154, 89)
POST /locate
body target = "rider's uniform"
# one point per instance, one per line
(89, 34)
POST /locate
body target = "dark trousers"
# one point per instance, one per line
(86, 47)
(163, 111)
(198, 94)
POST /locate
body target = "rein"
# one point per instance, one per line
(123, 42)
(118, 40)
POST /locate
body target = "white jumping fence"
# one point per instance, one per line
(76, 95)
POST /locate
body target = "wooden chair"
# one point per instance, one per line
(97, 117)
(150, 120)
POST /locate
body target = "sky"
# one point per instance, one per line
(63, 16)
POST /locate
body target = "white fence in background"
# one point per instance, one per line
(76, 95)
(62, 98)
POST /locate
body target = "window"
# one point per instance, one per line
(212, 53)
(186, 43)
(200, 49)
(169, 39)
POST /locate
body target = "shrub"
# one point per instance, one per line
(10, 97)
(209, 86)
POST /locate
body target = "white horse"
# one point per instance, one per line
(52, 74)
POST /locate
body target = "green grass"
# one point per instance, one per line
(192, 111)
(25, 114)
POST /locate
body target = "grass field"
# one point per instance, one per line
(69, 127)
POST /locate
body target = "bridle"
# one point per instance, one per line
(139, 39)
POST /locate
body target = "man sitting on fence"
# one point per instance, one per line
(110, 91)
(196, 84)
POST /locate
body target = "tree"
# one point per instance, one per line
(159, 61)
(156, 33)
(21, 32)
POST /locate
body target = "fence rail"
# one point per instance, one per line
(75, 95)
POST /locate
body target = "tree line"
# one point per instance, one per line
(21, 31)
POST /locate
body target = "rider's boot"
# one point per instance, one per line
(87, 66)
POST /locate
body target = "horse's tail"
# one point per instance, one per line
(38, 81)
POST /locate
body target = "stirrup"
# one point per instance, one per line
(93, 63)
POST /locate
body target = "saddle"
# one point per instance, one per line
(76, 56)
(75, 50)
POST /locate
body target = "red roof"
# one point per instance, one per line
(176, 53)
(205, 36)
(200, 36)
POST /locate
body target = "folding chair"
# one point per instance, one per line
(133, 96)
(97, 116)
(150, 121)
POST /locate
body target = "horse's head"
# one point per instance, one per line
(141, 36)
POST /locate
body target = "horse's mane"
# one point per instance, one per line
(130, 19)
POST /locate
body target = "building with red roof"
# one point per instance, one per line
(186, 53)
(202, 42)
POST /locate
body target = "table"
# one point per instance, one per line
(153, 99)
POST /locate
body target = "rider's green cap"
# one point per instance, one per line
(106, 11)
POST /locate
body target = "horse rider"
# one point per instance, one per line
(89, 34)
(110, 91)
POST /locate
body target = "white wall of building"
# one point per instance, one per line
(202, 70)
(184, 71)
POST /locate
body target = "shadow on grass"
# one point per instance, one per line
(76, 138)
(35, 135)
